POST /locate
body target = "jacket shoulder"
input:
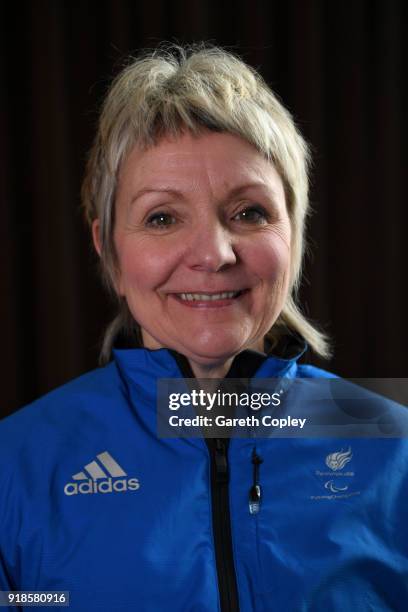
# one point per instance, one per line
(59, 411)
(311, 371)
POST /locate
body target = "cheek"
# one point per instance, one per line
(142, 265)
(269, 258)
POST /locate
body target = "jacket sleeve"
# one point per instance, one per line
(6, 578)
(4, 583)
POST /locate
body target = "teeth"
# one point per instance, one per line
(205, 296)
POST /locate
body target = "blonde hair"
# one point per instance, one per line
(173, 89)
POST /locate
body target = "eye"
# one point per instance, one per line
(256, 215)
(160, 220)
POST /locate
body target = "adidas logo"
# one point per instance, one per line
(105, 476)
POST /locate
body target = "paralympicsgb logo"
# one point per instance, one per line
(337, 461)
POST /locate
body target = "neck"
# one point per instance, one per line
(211, 371)
(216, 369)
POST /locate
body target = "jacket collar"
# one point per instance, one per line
(140, 369)
(144, 366)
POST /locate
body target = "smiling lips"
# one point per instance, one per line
(208, 296)
(209, 300)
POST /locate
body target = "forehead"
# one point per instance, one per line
(215, 159)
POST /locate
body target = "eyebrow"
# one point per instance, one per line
(236, 191)
(167, 190)
(257, 185)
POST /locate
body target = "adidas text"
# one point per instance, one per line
(107, 485)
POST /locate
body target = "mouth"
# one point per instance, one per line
(209, 299)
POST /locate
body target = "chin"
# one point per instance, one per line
(213, 350)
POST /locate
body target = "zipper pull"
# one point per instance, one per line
(221, 463)
(255, 492)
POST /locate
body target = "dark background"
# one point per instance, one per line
(341, 69)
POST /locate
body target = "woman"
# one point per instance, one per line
(196, 193)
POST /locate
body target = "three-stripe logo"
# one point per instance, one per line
(102, 476)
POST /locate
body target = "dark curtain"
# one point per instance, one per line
(341, 69)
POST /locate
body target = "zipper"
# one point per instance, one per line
(227, 584)
(244, 366)
(255, 492)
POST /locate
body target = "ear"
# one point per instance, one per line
(96, 237)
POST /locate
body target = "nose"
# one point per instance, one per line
(211, 248)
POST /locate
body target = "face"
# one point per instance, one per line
(203, 242)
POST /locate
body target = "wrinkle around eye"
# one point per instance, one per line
(281, 231)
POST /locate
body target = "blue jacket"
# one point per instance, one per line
(94, 503)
